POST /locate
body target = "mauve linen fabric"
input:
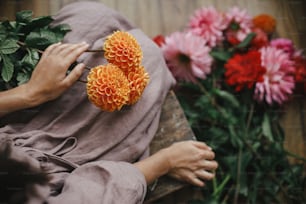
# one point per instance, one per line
(89, 151)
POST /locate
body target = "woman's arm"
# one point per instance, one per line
(48, 81)
(189, 161)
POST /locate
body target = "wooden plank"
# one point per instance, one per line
(173, 127)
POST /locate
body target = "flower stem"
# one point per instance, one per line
(220, 187)
(24, 45)
(238, 177)
(83, 81)
(94, 50)
(250, 117)
(295, 156)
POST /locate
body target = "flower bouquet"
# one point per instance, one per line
(111, 86)
(234, 77)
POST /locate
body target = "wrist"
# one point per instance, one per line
(165, 155)
(16, 99)
(29, 96)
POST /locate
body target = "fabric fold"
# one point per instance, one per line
(99, 137)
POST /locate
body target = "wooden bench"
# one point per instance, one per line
(173, 127)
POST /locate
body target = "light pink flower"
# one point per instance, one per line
(208, 23)
(187, 56)
(284, 44)
(278, 82)
(238, 23)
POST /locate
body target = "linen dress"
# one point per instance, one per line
(88, 152)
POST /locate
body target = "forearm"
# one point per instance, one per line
(48, 80)
(190, 161)
(15, 99)
(154, 166)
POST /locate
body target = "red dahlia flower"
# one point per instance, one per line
(244, 70)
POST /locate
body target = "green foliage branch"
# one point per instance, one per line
(247, 138)
(21, 44)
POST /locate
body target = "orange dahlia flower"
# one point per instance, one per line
(138, 80)
(265, 22)
(108, 87)
(122, 49)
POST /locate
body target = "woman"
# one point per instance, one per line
(92, 156)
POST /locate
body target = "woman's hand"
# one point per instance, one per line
(191, 161)
(49, 79)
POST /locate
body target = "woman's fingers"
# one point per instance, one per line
(204, 175)
(73, 50)
(201, 145)
(52, 48)
(197, 182)
(49, 78)
(193, 162)
(74, 75)
(208, 154)
(208, 165)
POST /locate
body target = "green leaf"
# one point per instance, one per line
(2, 32)
(202, 101)
(266, 127)
(227, 97)
(9, 46)
(38, 22)
(7, 26)
(24, 16)
(31, 58)
(234, 137)
(23, 77)
(61, 28)
(7, 69)
(246, 41)
(221, 55)
(41, 39)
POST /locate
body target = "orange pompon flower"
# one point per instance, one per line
(108, 87)
(138, 80)
(122, 50)
(265, 22)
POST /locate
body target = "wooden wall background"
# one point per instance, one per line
(165, 16)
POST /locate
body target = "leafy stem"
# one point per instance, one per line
(213, 102)
(295, 156)
(218, 189)
(22, 44)
(237, 190)
(250, 115)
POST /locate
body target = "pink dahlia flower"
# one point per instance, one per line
(284, 44)
(208, 23)
(239, 24)
(278, 81)
(187, 56)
